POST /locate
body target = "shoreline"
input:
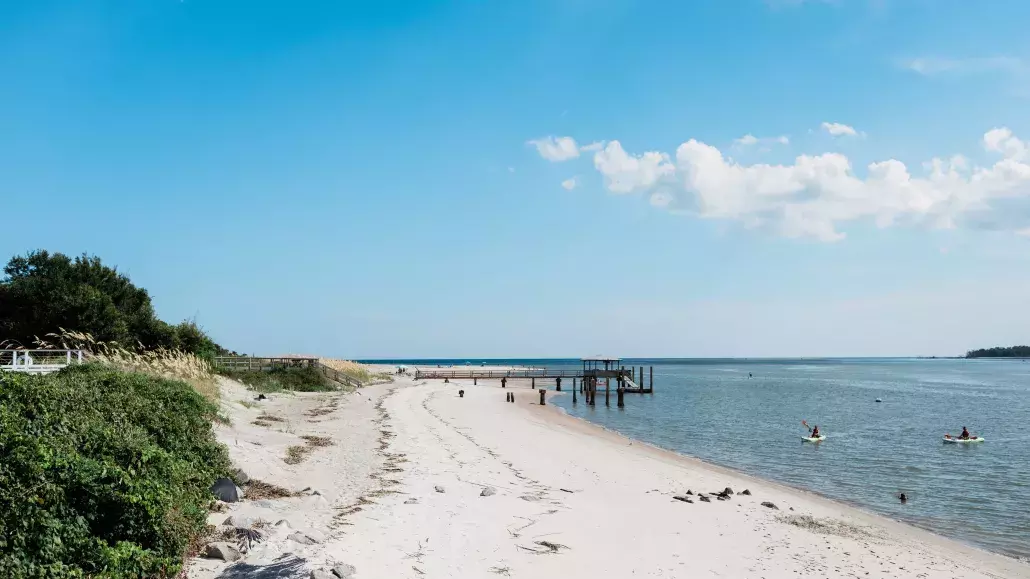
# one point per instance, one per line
(559, 414)
(424, 483)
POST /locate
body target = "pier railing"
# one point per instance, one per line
(432, 373)
(38, 361)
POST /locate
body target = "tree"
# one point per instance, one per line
(1000, 352)
(43, 292)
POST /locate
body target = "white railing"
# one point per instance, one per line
(38, 361)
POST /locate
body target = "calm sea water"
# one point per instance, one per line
(979, 493)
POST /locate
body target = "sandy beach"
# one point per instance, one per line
(419, 482)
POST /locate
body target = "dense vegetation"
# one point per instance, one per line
(304, 379)
(103, 473)
(1010, 352)
(42, 293)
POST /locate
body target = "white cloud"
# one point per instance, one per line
(556, 149)
(1003, 141)
(816, 194)
(662, 199)
(624, 173)
(595, 146)
(570, 184)
(932, 66)
(749, 140)
(839, 130)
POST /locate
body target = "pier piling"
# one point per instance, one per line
(627, 379)
(542, 393)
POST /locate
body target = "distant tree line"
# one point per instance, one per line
(42, 292)
(1010, 352)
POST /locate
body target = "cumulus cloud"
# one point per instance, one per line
(595, 146)
(749, 140)
(625, 173)
(839, 130)
(556, 149)
(1003, 141)
(817, 194)
(570, 184)
(662, 199)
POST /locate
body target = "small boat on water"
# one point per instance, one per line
(949, 439)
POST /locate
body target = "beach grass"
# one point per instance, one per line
(159, 363)
(281, 379)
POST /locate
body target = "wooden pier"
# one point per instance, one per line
(596, 373)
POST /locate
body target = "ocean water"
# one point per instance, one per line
(979, 494)
(711, 409)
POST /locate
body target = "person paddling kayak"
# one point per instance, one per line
(813, 430)
(964, 437)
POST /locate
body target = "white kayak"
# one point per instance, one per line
(819, 438)
(953, 440)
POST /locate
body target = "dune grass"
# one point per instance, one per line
(159, 363)
(280, 379)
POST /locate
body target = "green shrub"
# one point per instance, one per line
(102, 473)
(300, 379)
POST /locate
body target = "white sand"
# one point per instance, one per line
(620, 519)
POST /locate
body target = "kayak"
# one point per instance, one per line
(819, 438)
(948, 440)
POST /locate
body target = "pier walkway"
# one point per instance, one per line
(594, 371)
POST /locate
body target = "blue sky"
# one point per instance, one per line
(535, 178)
